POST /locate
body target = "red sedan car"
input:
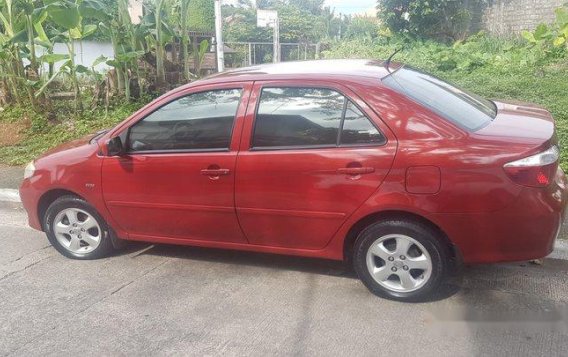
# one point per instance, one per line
(382, 165)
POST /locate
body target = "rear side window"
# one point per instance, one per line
(200, 121)
(304, 117)
(464, 109)
(298, 117)
(358, 129)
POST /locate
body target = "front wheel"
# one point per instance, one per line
(401, 260)
(76, 230)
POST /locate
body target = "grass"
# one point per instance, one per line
(42, 135)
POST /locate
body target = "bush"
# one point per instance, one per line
(440, 19)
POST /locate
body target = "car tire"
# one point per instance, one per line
(76, 229)
(401, 260)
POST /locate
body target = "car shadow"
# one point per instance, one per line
(271, 261)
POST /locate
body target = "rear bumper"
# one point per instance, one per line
(525, 230)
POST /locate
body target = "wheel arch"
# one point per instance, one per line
(371, 218)
(48, 198)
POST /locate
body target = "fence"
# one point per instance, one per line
(242, 54)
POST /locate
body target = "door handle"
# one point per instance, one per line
(215, 172)
(355, 170)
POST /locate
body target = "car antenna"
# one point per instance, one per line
(387, 63)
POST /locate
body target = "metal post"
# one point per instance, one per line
(219, 37)
(276, 46)
(249, 54)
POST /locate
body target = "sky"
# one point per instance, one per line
(352, 6)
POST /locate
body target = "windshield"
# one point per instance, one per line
(464, 109)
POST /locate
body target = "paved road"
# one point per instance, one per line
(180, 300)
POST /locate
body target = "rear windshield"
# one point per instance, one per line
(466, 110)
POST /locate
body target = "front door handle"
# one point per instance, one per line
(215, 172)
(355, 170)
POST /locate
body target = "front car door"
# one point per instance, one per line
(310, 155)
(177, 179)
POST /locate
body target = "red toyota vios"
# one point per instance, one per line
(379, 164)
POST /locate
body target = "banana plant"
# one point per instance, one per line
(68, 15)
(19, 44)
(9, 59)
(122, 62)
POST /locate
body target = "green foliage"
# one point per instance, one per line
(362, 26)
(42, 135)
(64, 13)
(201, 15)
(551, 38)
(441, 19)
(296, 24)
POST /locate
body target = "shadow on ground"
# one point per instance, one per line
(273, 261)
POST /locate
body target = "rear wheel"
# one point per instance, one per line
(76, 230)
(401, 260)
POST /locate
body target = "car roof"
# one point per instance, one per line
(318, 69)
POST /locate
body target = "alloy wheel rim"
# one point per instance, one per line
(77, 231)
(399, 263)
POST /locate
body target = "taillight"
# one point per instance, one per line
(535, 171)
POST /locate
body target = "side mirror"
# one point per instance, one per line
(114, 147)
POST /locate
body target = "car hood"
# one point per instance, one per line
(71, 151)
(68, 145)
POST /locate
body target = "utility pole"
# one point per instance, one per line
(219, 37)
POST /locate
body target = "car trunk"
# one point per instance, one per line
(521, 126)
(525, 137)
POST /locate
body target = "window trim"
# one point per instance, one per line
(385, 139)
(185, 151)
(346, 100)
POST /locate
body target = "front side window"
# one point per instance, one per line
(198, 121)
(303, 117)
(464, 109)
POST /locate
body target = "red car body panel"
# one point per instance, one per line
(301, 201)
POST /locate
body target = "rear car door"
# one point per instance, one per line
(177, 179)
(310, 155)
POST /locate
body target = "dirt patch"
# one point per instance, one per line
(12, 133)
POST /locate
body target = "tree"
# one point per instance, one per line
(314, 7)
(362, 26)
(442, 19)
(201, 15)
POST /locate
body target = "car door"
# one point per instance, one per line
(176, 180)
(310, 155)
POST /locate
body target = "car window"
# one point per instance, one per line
(358, 129)
(198, 121)
(298, 117)
(464, 109)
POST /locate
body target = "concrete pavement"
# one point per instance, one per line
(180, 300)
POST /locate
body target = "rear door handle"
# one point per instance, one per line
(355, 170)
(215, 172)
